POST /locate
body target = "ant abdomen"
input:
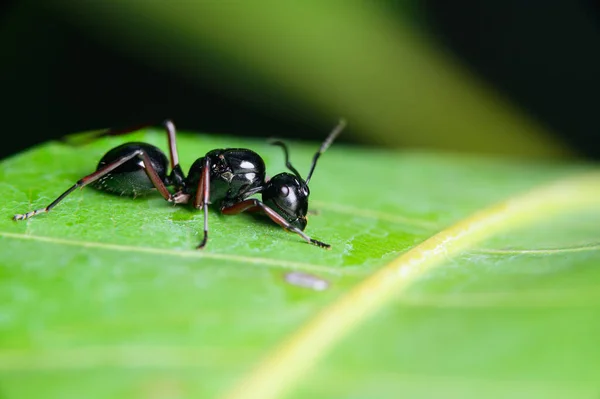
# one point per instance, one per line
(131, 178)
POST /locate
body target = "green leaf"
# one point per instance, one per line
(434, 289)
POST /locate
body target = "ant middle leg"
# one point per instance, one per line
(253, 204)
(202, 198)
(105, 170)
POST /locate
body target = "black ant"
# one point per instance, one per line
(227, 177)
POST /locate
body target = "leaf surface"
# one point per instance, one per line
(106, 295)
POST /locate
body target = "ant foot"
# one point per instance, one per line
(320, 244)
(23, 216)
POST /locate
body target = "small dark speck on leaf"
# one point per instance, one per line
(306, 280)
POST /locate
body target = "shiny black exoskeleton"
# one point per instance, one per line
(235, 174)
(224, 177)
(130, 178)
(288, 195)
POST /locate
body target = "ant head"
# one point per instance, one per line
(287, 194)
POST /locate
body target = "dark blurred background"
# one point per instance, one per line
(504, 77)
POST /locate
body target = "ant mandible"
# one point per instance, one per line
(224, 176)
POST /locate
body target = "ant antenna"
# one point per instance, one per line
(324, 146)
(334, 133)
(287, 157)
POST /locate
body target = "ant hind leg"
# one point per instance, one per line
(152, 175)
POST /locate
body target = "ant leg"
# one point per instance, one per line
(202, 197)
(169, 129)
(152, 175)
(177, 175)
(254, 204)
(172, 139)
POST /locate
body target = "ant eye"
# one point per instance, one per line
(284, 191)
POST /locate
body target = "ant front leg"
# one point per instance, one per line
(150, 171)
(203, 196)
(254, 204)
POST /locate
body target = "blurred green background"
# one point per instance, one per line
(497, 77)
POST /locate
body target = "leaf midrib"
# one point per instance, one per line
(285, 365)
